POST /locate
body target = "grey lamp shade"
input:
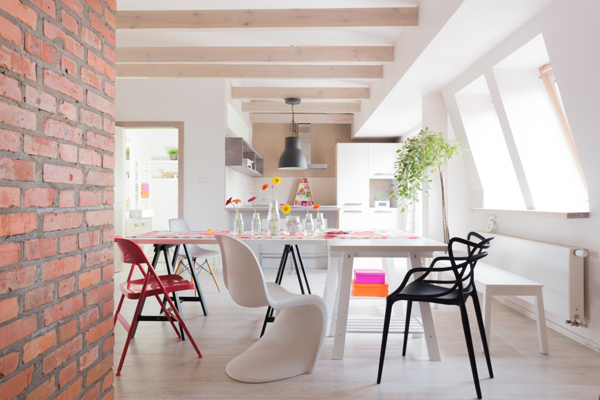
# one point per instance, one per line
(292, 157)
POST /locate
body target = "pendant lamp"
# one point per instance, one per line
(292, 156)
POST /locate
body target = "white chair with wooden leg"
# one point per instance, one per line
(196, 252)
(293, 344)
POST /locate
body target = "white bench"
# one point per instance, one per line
(492, 281)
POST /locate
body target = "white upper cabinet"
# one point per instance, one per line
(382, 157)
(352, 163)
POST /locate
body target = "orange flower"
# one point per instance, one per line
(316, 206)
(265, 186)
(236, 201)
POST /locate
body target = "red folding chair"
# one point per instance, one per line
(150, 285)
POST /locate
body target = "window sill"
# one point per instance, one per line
(551, 214)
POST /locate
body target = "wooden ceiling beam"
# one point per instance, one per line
(278, 18)
(256, 54)
(302, 118)
(249, 71)
(332, 93)
(305, 107)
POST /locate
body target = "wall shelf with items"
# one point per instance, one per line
(240, 156)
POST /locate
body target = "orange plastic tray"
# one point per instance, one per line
(370, 290)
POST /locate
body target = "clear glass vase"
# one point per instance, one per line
(256, 224)
(293, 226)
(238, 225)
(273, 219)
(309, 225)
(320, 227)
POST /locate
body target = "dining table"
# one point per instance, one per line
(343, 248)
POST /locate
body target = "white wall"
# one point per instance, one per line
(571, 32)
(201, 104)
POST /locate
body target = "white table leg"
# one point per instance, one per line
(342, 312)
(329, 294)
(427, 318)
(541, 322)
(487, 316)
(390, 269)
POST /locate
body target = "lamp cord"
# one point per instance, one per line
(293, 125)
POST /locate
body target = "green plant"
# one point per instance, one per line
(126, 151)
(383, 196)
(173, 150)
(417, 161)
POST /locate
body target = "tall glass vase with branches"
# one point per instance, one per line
(417, 161)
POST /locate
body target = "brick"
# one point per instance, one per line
(38, 197)
(63, 309)
(90, 78)
(43, 391)
(67, 374)
(112, 4)
(8, 364)
(61, 130)
(98, 257)
(17, 330)
(96, 295)
(9, 309)
(62, 221)
(66, 199)
(98, 63)
(110, 395)
(108, 235)
(108, 197)
(40, 49)
(71, 45)
(92, 394)
(88, 239)
(68, 153)
(109, 90)
(90, 118)
(39, 346)
(63, 85)
(72, 391)
(21, 12)
(88, 279)
(61, 355)
(39, 99)
(100, 141)
(10, 197)
(17, 63)
(89, 198)
(102, 217)
(11, 253)
(108, 344)
(16, 279)
(18, 117)
(67, 331)
(69, 65)
(88, 358)
(68, 244)
(10, 32)
(108, 307)
(38, 297)
(110, 18)
(108, 381)
(17, 170)
(40, 248)
(108, 271)
(91, 38)
(10, 88)
(66, 287)
(95, 4)
(98, 178)
(108, 161)
(10, 141)
(60, 174)
(75, 6)
(69, 22)
(67, 110)
(97, 371)
(17, 224)
(104, 31)
(110, 54)
(47, 6)
(88, 318)
(60, 267)
(39, 146)
(109, 126)
(89, 157)
(14, 386)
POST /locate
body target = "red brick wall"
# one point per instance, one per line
(56, 193)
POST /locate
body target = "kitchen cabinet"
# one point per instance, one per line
(356, 219)
(381, 159)
(136, 226)
(383, 218)
(352, 175)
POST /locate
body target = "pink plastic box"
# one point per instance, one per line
(369, 276)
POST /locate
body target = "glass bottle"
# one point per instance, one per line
(309, 225)
(321, 227)
(293, 226)
(273, 219)
(238, 226)
(256, 231)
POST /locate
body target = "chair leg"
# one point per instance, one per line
(213, 275)
(484, 342)
(168, 315)
(119, 308)
(406, 326)
(178, 266)
(138, 309)
(386, 329)
(469, 340)
(182, 324)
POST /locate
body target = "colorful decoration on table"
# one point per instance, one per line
(273, 217)
(255, 227)
(340, 235)
(304, 194)
(238, 223)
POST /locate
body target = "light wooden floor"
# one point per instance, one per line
(159, 366)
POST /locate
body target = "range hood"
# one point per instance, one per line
(305, 144)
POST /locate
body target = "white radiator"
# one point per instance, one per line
(555, 266)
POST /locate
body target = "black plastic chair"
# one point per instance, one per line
(461, 288)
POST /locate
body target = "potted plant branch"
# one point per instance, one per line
(173, 153)
(421, 157)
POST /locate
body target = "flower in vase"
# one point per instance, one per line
(276, 180)
(228, 201)
(265, 186)
(252, 199)
(236, 201)
(316, 206)
(286, 209)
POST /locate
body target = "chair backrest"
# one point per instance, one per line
(178, 225)
(242, 273)
(132, 253)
